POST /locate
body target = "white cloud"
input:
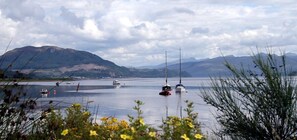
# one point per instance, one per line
(8, 27)
(91, 30)
(134, 33)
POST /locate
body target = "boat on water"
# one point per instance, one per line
(180, 88)
(166, 89)
(44, 92)
(116, 83)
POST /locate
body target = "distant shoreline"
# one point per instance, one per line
(37, 80)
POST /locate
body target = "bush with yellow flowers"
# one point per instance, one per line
(77, 125)
(182, 128)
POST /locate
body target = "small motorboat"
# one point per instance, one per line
(44, 92)
(116, 83)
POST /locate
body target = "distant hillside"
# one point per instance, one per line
(48, 57)
(161, 66)
(215, 66)
(55, 62)
(51, 61)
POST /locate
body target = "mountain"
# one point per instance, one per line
(160, 66)
(216, 67)
(55, 62)
(52, 61)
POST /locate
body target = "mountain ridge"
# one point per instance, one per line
(215, 66)
(52, 59)
(55, 62)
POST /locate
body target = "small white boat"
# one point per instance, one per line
(116, 83)
(44, 92)
(179, 88)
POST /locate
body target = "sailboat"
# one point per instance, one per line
(166, 88)
(180, 88)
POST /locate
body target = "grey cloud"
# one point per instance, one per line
(173, 11)
(70, 17)
(21, 9)
(140, 26)
(199, 30)
(184, 10)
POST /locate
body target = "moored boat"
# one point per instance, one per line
(116, 83)
(166, 88)
(44, 92)
(180, 88)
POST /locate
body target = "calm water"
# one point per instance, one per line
(106, 100)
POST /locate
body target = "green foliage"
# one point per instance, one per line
(77, 125)
(256, 104)
(182, 128)
(15, 118)
(49, 125)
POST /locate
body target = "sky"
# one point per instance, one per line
(136, 33)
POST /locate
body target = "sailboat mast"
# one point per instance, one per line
(166, 66)
(180, 65)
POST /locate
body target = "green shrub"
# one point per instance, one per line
(77, 125)
(258, 103)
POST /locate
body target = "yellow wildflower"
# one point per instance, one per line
(198, 136)
(114, 120)
(177, 123)
(86, 113)
(124, 124)
(93, 133)
(76, 105)
(113, 127)
(190, 125)
(133, 129)
(168, 122)
(152, 134)
(174, 118)
(188, 119)
(141, 121)
(126, 137)
(64, 132)
(104, 119)
(185, 137)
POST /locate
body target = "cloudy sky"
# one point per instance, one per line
(137, 32)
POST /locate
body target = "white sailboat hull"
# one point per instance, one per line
(180, 89)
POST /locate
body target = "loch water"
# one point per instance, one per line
(103, 99)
